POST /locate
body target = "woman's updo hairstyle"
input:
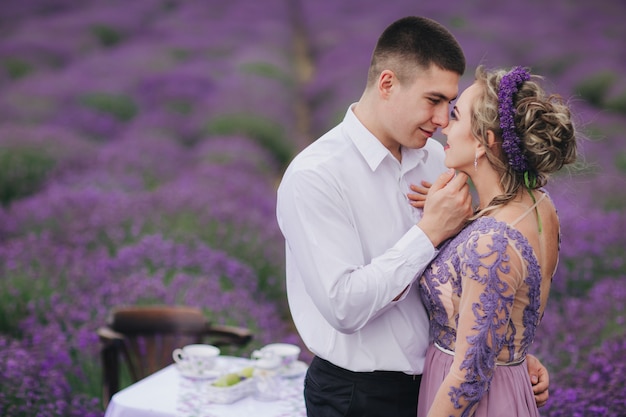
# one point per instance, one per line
(543, 124)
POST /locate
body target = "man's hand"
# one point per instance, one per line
(540, 380)
(447, 207)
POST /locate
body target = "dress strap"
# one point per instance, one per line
(531, 208)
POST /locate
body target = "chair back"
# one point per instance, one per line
(144, 337)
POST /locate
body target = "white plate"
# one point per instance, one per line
(295, 369)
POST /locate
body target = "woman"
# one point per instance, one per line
(488, 287)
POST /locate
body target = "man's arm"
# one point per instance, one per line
(450, 206)
(540, 379)
(326, 248)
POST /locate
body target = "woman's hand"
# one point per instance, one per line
(418, 197)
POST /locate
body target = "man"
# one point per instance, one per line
(354, 244)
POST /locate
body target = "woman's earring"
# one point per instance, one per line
(476, 161)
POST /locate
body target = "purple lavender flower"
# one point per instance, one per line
(511, 142)
(157, 210)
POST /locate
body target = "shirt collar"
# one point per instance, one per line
(411, 158)
(372, 150)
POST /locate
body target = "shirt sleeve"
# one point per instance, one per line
(320, 233)
(490, 275)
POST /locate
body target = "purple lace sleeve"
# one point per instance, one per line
(487, 299)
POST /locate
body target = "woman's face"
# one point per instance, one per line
(461, 145)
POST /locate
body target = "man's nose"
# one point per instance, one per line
(440, 118)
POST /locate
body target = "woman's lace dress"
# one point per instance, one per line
(490, 273)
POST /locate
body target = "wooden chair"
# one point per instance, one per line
(145, 336)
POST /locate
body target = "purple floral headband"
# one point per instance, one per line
(511, 143)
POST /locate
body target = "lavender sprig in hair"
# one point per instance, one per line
(511, 143)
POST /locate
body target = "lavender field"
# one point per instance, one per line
(141, 143)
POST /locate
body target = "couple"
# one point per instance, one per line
(365, 245)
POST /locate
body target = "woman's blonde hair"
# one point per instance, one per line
(543, 124)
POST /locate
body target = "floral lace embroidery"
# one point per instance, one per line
(492, 313)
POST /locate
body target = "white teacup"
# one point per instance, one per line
(197, 359)
(287, 352)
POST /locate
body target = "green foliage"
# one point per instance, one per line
(16, 68)
(183, 107)
(615, 201)
(180, 54)
(556, 66)
(23, 170)
(18, 289)
(121, 106)
(239, 239)
(267, 133)
(13, 305)
(618, 104)
(228, 237)
(595, 88)
(620, 161)
(458, 22)
(170, 5)
(106, 35)
(89, 380)
(225, 236)
(268, 70)
(583, 270)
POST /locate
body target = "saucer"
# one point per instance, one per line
(198, 374)
(293, 370)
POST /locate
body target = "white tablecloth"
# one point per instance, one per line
(168, 394)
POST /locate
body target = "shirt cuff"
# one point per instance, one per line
(418, 251)
(418, 248)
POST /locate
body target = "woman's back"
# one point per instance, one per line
(539, 224)
(512, 263)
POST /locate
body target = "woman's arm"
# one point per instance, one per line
(489, 282)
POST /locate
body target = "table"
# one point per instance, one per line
(167, 393)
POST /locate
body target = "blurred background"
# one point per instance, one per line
(141, 143)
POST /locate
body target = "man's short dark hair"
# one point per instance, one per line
(415, 42)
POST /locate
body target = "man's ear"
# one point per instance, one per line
(386, 81)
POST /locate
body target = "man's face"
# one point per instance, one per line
(416, 109)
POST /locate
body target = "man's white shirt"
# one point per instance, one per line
(352, 246)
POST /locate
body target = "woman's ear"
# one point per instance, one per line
(480, 146)
(491, 138)
(479, 152)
